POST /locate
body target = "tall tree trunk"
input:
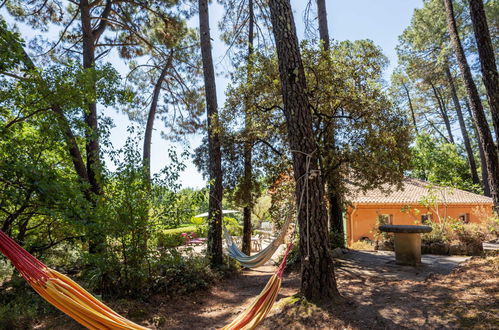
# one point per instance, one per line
(318, 281)
(484, 134)
(332, 176)
(146, 155)
(248, 143)
(323, 28)
(487, 59)
(90, 37)
(443, 112)
(215, 156)
(335, 200)
(483, 164)
(462, 125)
(413, 115)
(92, 136)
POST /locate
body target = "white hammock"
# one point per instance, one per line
(261, 257)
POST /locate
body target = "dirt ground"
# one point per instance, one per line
(466, 298)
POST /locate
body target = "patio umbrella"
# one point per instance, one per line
(204, 215)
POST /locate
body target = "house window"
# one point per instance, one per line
(464, 218)
(426, 218)
(385, 219)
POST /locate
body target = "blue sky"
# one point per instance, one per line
(379, 20)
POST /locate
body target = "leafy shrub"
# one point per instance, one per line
(234, 228)
(177, 274)
(470, 236)
(201, 226)
(294, 257)
(452, 237)
(492, 225)
(20, 304)
(170, 238)
(439, 234)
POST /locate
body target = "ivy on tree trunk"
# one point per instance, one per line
(214, 250)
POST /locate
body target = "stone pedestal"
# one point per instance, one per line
(407, 242)
(407, 249)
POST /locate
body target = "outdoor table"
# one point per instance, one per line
(407, 242)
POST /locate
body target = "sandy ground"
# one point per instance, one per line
(378, 295)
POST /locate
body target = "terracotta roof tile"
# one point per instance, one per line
(412, 192)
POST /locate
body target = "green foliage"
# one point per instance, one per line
(178, 274)
(359, 133)
(261, 209)
(131, 214)
(294, 258)
(170, 238)
(440, 233)
(470, 235)
(19, 305)
(440, 163)
(234, 228)
(46, 202)
(187, 204)
(283, 203)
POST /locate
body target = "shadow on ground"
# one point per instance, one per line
(378, 295)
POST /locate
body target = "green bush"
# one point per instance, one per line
(470, 236)
(440, 233)
(177, 274)
(170, 238)
(20, 305)
(234, 228)
(201, 226)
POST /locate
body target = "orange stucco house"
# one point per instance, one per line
(406, 206)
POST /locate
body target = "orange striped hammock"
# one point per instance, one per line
(72, 299)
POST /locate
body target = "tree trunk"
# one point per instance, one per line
(487, 59)
(74, 151)
(443, 112)
(413, 115)
(483, 164)
(214, 250)
(92, 135)
(332, 177)
(484, 134)
(335, 216)
(318, 281)
(462, 125)
(323, 28)
(146, 156)
(248, 143)
(90, 37)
